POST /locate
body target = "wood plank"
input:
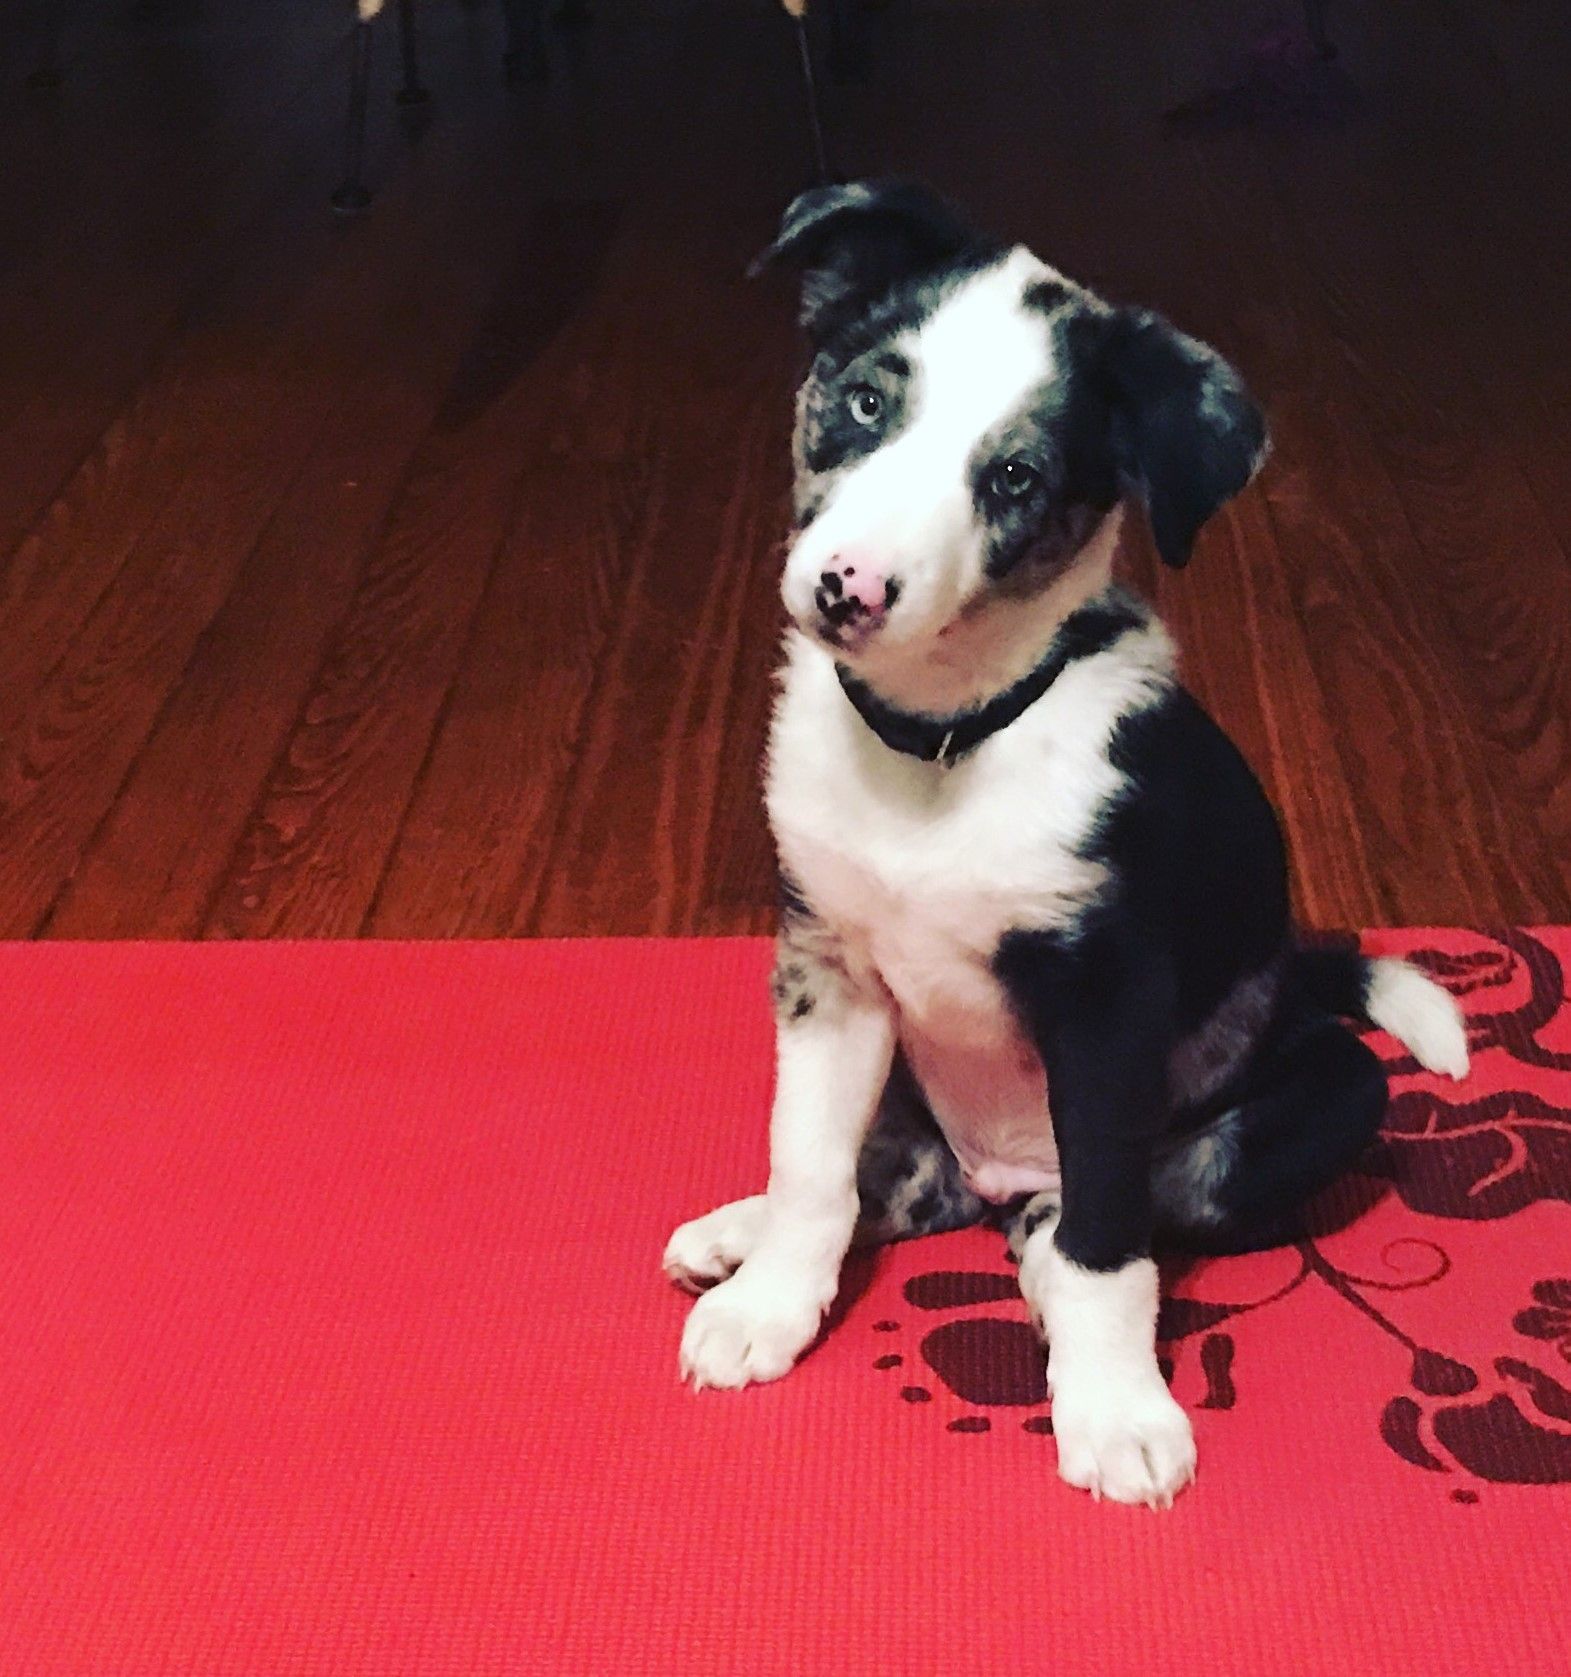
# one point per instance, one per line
(156, 859)
(1436, 812)
(658, 757)
(137, 264)
(1481, 595)
(248, 404)
(308, 861)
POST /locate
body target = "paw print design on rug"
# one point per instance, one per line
(991, 1362)
(1451, 1243)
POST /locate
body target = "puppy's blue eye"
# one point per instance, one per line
(1014, 478)
(866, 405)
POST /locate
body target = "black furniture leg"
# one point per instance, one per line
(352, 195)
(525, 55)
(810, 92)
(411, 91)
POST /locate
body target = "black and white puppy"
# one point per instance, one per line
(1035, 963)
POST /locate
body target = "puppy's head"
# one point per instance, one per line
(970, 418)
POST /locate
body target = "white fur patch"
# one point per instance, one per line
(1120, 1433)
(831, 1070)
(908, 505)
(709, 1248)
(751, 1328)
(1418, 1012)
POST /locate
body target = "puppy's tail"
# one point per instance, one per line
(1392, 994)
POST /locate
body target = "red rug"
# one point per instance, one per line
(333, 1341)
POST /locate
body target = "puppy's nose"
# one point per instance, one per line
(850, 587)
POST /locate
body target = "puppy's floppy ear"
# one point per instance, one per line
(853, 242)
(1186, 434)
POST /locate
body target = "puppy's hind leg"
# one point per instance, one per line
(908, 1180)
(1308, 1111)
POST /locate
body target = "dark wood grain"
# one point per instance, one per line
(140, 182)
(225, 721)
(416, 577)
(319, 837)
(1379, 639)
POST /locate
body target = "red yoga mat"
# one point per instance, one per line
(333, 1340)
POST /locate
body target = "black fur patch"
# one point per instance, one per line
(1197, 853)
(1048, 295)
(1021, 1219)
(1196, 905)
(1312, 1103)
(854, 242)
(1051, 436)
(793, 905)
(831, 435)
(1186, 435)
(791, 985)
(1097, 1003)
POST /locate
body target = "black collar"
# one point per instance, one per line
(945, 739)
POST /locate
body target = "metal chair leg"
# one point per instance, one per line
(411, 91)
(352, 195)
(525, 54)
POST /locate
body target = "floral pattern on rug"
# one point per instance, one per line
(1492, 1150)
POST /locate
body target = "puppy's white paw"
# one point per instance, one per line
(1129, 1444)
(750, 1328)
(709, 1248)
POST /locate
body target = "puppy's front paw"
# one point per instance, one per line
(1130, 1444)
(750, 1328)
(709, 1248)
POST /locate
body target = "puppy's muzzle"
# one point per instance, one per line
(853, 599)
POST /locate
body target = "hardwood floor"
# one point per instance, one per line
(414, 576)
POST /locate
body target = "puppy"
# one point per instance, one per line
(1035, 962)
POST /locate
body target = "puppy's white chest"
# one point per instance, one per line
(924, 869)
(920, 871)
(982, 1079)
(924, 899)
(940, 980)
(920, 880)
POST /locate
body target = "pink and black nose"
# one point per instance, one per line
(853, 595)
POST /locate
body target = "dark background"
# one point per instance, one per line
(414, 575)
